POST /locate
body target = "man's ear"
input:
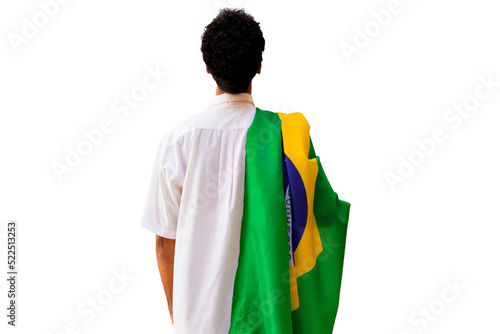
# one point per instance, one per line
(207, 69)
(260, 66)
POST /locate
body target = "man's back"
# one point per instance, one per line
(240, 204)
(200, 169)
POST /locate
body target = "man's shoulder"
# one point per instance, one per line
(184, 127)
(292, 118)
(222, 117)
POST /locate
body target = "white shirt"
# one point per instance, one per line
(196, 197)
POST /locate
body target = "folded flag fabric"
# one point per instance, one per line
(293, 233)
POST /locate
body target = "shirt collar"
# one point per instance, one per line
(230, 98)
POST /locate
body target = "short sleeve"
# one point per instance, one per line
(161, 209)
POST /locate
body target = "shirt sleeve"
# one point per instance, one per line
(161, 209)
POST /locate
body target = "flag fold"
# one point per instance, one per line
(293, 233)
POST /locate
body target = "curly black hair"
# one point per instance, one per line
(232, 46)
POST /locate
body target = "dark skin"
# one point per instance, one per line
(165, 248)
(219, 91)
(165, 251)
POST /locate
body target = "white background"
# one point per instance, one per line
(439, 225)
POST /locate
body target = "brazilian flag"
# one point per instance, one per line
(293, 234)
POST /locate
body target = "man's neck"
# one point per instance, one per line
(219, 91)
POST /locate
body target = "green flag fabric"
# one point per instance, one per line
(293, 233)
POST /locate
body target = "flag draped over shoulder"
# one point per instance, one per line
(293, 233)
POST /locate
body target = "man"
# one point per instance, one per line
(198, 169)
(199, 197)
